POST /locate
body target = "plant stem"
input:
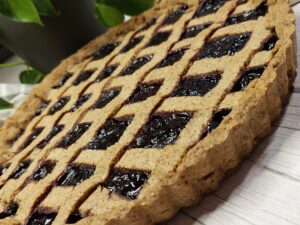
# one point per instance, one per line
(4, 65)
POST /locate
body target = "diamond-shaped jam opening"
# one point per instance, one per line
(261, 10)
(11, 210)
(83, 76)
(161, 130)
(80, 101)
(196, 86)
(72, 136)
(54, 131)
(270, 42)
(159, 38)
(3, 168)
(41, 108)
(74, 217)
(216, 120)
(59, 105)
(43, 170)
(193, 31)
(109, 134)
(226, 45)
(41, 217)
(248, 76)
(21, 168)
(126, 183)
(143, 91)
(172, 58)
(176, 15)
(106, 72)
(136, 64)
(208, 6)
(104, 50)
(106, 98)
(149, 24)
(62, 81)
(34, 134)
(131, 44)
(75, 174)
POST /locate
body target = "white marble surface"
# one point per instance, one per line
(266, 188)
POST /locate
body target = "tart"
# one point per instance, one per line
(150, 116)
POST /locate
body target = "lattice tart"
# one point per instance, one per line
(150, 116)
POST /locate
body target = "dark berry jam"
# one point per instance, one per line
(54, 131)
(159, 38)
(83, 76)
(270, 43)
(105, 50)
(42, 107)
(11, 210)
(208, 6)
(72, 136)
(227, 45)
(109, 134)
(161, 130)
(126, 183)
(172, 58)
(80, 101)
(3, 169)
(136, 64)
(193, 31)
(106, 98)
(34, 134)
(43, 170)
(63, 81)
(59, 105)
(74, 218)
(174, 16)
(248, 76)
(196, 86)
(143, 91)
(132, 43)
(149, 24)
(22, 167)
(106, 72)
(75, 174)
(41, 217)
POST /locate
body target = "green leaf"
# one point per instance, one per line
(20, 10)
(4, 65)
(45, 7)
(5, 104)
(129, 7)
(31, 76)
(109, 16)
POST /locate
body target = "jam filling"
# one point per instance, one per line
(54, 131)
(136, 64)
(215, 121)
(132, 43)
(196, 86)
(80, 101)
(159, 38)
(3, 169)
(174, 16)
(42, 107)
(226, 45)
(109, 134)
(104, 50)
(59, 105)
(248, 76)
(208, 7)
(83, 76)
(22, 167)
(106, 98)
(106, 72)
(149, 24)
(261, 10)
(34, 134)
(193, 31)
(11, 210)
(126, 183)
(72, 136)
(172, 58)
(44, 169)
(161, 130)
(270, 43)
(75, 174)
(63, 81)
(143, 91)
(74, 218)
(41, 217)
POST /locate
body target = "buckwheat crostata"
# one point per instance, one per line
(150, 116)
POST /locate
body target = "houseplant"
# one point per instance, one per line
(43, 32)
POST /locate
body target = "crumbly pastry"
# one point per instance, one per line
(150, 116)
